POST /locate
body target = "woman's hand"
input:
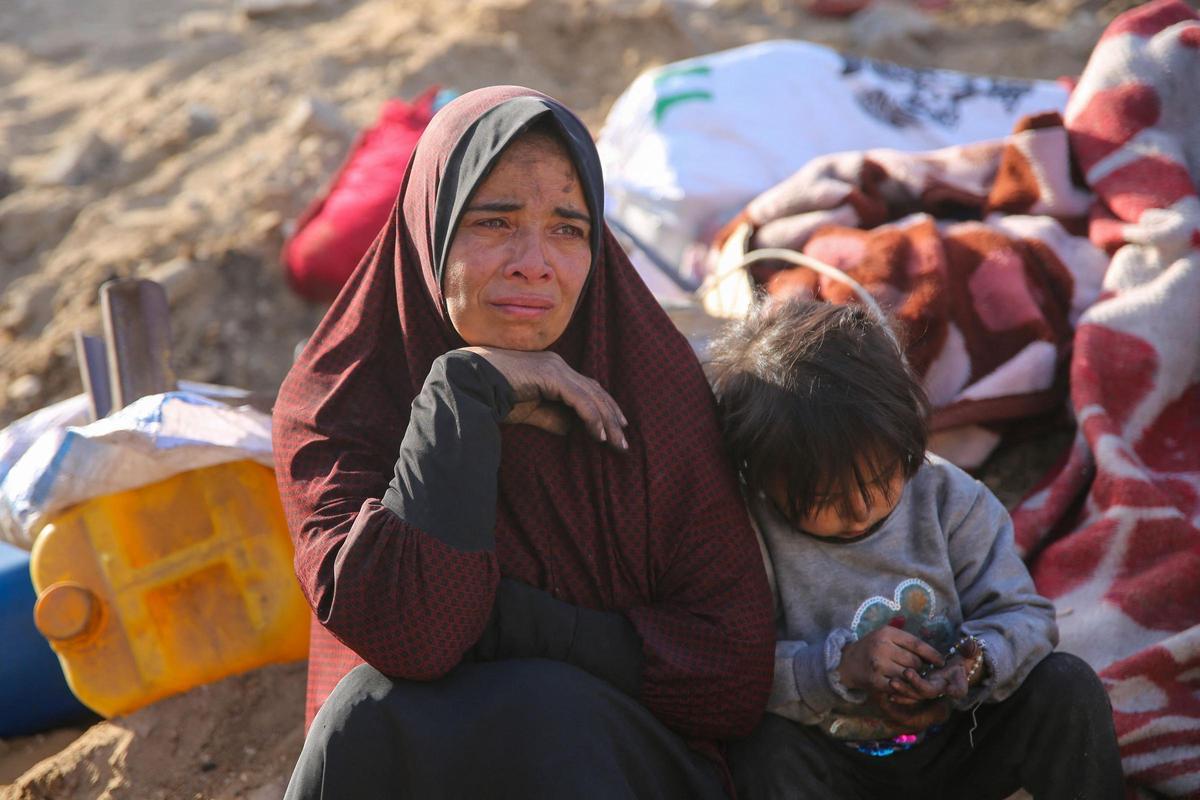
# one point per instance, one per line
(874, 661)
(547, 391)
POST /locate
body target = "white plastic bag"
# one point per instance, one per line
(688, 145)
(16, 439)
(150, 440)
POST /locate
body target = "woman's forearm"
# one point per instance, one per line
(409, 604)
(410, 586)
(527, 622)
(445, 475)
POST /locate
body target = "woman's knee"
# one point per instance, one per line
(356, 705)
(346, 746)
(550, 696)
(526, 692)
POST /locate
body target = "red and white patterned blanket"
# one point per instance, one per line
(1114, 534)
(1013, 264)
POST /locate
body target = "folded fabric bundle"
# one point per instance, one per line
(337, 228)
(977, 250)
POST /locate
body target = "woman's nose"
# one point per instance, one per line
(529, 257)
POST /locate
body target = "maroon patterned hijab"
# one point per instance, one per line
(595, 527)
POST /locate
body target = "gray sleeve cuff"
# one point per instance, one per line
(834, 645)
(784, 699)
(814, 673)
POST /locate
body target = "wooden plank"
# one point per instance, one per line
(137, 328)
(92, 356)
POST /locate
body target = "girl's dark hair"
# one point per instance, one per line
(818, 396)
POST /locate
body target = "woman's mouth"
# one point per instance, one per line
(525, 307)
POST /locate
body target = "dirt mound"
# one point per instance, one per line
(238, 738)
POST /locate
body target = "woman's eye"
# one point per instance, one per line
(572, 230)
(494, 222)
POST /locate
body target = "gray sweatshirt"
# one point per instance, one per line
(941, 565)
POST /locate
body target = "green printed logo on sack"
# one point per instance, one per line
(675, 85)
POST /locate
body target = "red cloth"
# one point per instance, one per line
(335, 231)
(659, 533)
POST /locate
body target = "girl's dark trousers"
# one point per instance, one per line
(1053, 737)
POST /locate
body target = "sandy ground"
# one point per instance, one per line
(236, 738)
(161, 138)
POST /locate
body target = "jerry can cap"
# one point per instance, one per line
(66, 610)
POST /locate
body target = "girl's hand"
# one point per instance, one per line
(874, 661)
(550, 394)
(948, 681)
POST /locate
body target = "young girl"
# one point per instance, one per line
(914, 655)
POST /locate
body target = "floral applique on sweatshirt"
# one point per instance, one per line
(912, 608)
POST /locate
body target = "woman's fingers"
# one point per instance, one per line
(551, 417)
(614, 420)
(575, 392)
(539, 376)
(595, 406)
(521, 413)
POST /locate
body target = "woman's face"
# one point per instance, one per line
(521, 253)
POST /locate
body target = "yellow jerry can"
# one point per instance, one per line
(152, 591)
